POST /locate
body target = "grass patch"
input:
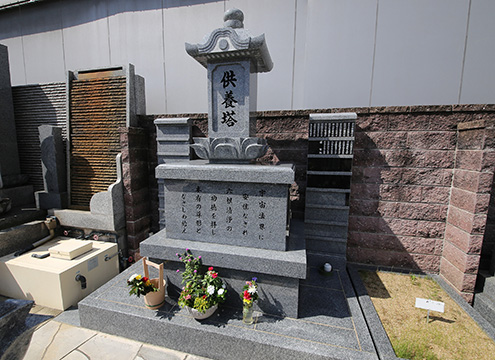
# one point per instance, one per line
(451, 335)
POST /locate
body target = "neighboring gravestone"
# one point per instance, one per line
(53, 166)
(15, 331)
(232, 213)
(9, 156)
(13, 191)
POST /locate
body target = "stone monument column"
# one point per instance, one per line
(54, 169)
(233, 213)
(233, 58)
(14, 191)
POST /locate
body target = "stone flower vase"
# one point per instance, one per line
(198, 315)
(154, 300)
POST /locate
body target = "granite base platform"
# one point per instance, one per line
(279, 271)
(331, 324)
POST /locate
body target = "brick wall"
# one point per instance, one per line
(408, 184)
(469, 204)
(402, 173)
(135, 163)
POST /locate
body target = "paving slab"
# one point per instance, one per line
(75, 355)
(69, 316)
(41, 339)
(330, 325)
(54, 340)
(104, 346)
(150, 352)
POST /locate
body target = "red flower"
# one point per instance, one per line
(144, 279)
(214, 275)
(210, 268)
(247, 296)
(204, 296)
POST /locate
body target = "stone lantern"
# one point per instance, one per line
(233, 59)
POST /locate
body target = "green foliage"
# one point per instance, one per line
(140, 285)
(414, 280)
(249, 293)
(409, 349)
(202, 290)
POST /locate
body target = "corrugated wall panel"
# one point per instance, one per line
(36, 105)
(98, 110)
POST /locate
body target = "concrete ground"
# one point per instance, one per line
(56, 338)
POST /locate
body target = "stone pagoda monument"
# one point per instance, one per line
(233, 213)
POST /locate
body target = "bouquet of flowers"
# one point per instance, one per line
(140, 285)
(249, 292)
(201, 291)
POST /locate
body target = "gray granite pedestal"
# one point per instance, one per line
(330, 323)
(278, 272)
(236, 216)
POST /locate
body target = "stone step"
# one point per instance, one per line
(327, 196)
(22, 236)
(284, 269)
(21, 196)
(326, 212)
(485, 305)
(334, 229)
(326, 245)
(20, 215)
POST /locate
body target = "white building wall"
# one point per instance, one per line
(327, 53)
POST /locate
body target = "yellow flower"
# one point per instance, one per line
(147, 283)
(138, 277)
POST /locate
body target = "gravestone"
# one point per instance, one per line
(54, 169)
(9, 156)
(13, 189)
(233, 59)
(15, 330)
(233, 213)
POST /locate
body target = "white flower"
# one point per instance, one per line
(252, 290)
(223, 286)
(133, 277)
(221, 291)
(210, 289)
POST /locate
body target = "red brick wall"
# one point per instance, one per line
(135, 163)
(402, 173)
(468, 207)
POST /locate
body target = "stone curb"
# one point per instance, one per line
(372, 317)
(472, 312)
(379, 336)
